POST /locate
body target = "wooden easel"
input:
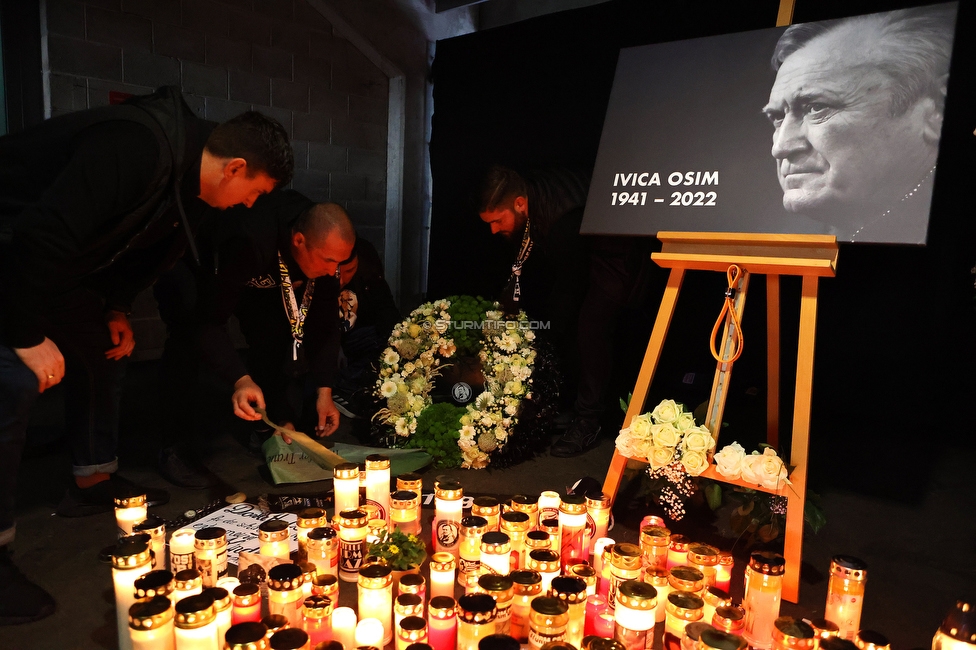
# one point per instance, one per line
(809, 256)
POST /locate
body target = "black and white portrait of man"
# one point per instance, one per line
(856, 110)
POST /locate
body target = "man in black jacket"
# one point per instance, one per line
(94, 205)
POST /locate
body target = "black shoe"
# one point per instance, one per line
(580, 437)
(345, 406)
(181, 472)
(21, 601)
(564, 420)
(99, 498)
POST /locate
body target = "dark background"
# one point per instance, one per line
(893, 380)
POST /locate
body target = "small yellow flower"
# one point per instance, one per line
(394, 549)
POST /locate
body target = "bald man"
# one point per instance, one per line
(277, 274)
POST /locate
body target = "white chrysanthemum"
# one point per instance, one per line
(388, 389)
(390, 356)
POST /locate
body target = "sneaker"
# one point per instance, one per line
(21, 601)
(581, 436)
(181, 472)
(344, 406)
(99, 498)
(564, 420)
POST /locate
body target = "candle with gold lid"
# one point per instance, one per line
(845, 593)
(572, 591)
(155, 527)
(222, 609)
(442, 623)
(469, 552)
(210, 554)
(352, 535)
(587, 573)
(196, 623)
(686, 578)
(442, 569)
(187, 583)
(407, 605)
(548, 620)
(723, 572)
(289, 639)
(495, 553)
(714, 598)
(502, 589)
(792, 634)
(713, 639)
(154, 583)
(476, 619)
(822, 628)
(659, 580)
(376, 597)
(378, 484)
(317, 619)
(285, 593)
(600, 643)
(181, 550)
(345, 486)
(529, 504)
(515, 524)
(274, 623)
(537, 539)
(322, 550)
(411, 482)
(683, 607)
(326, 585)
(130, 560)
(655, 542)
(596, 605)
(704, 558)
(489, 508)
(376, 531)
(413, 583)
(498, 641)
(597, 519)
(837, 643)
(526, 585)
(729, 619)
(764, 587)
(634, 614)
(309, 571)
(625, 564)
(129, 510)
(572, 526)
(548, 506)
(273, 538)
(412, 629)
(678, 551)
(446, 528)
(308, 520)
(249, 635)
(602, 553)
(958, 629)
(405, 511)
(870, 640)
(547, 564)
(151, 624)
(247, 604)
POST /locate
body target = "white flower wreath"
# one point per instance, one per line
(416, 351)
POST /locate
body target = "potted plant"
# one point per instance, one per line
(402, 552)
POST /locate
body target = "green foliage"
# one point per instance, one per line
(713, 494)
(437, 433)
(813, 514)
(624, 405)
(469, 309)
(401, 551)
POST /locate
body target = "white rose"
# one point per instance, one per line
(640, 427)
(729, 460)
(752, 468)
(698, 439)
(660, 456)
(667, 411)
(685, 421)
(772, 470)
(625, 445)
(665, 435)
(694, 462)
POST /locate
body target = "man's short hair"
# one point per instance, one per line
(321, 220)
(920, 46)
(500, 187)
(258, 139)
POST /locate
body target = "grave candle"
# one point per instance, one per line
(129, 510)
(378, 484)
(196, 623)
(475, 620)
(308, 520)
(369, 632)
(601, 563)
(151, 624)
(683, 607)
(572, 526)
(345, 484)
(210, 554)
(412, 629)
(723, 572)
(275, 623)
(714, 598)
(548, 505)
(187, 583)
(659, 580)
(651, 520)
(572, 591)
(536, 539)
(704, 558)
(655, 541)
(410, 482)
(247, 604)
(317, 619)
(729, 619)
(597, 519)
(442, 623)
(822, 628)
(604, 625)
(181, 550)
(273, 539)
(285, 594)
(501, 588)
(222, 611)
(376, 598)
(528, 505)
(686, 578)
(791, 634)
(489, 508)
(292, 638)
(588, 574)
(845, 594)
(155, 527)
(326, 585)
(446, 528)
(547, 564)
(405, 511)
(547, 621)
(322, 549)
(625, 564)
(678, 552)
(634, 614)
(526, 585)
(407, 605)
(352, 534)
(595, 605)
(413, 583)
(229, 583)
(764, 586)
(309, 571)
(130, 560)
(515, 525)
(469, 552)
(551, 526)
(442, 568)
(152, 584)
(712, 639)
(344, 626)
(957, 631)
(250, 635)
(495, 553)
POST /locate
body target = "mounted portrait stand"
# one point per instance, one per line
(808, 256)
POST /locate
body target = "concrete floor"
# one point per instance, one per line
(921, 555)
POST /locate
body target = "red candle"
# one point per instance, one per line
(442, 623)
(604, 626)
(595, 605)
(247, 604)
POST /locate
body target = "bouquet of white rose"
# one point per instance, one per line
(766, 469)
(676, 449)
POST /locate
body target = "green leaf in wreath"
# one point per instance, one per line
(713, 493)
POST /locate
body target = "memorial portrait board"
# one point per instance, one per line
(830, 127)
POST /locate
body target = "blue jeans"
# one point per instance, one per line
(93, 386)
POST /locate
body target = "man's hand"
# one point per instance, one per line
(246, 392)
(45, 361)
(121, 333)
(328, 413)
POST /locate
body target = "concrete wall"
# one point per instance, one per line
(280, 57)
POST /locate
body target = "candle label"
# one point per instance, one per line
(503, 620)
(612, 593)
(519, 624)
(548, 513)
(845, 611)
(572, 544)
(381, 511)
(351, 556)
(466, 566)
(634, 639)
(180, 562)
(538, 639)
(448, 532)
